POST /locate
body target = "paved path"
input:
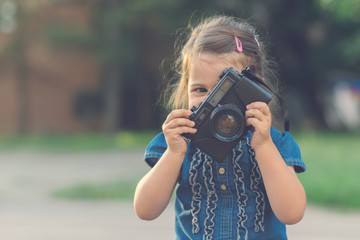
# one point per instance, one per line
(29, 212)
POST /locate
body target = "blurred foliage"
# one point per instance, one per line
(345, 10)
(61, 35)
(311, 40)
(351, 49)
(344, 28)
(130, 18)
(78, 142)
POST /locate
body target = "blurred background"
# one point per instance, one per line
(94, 66)
(83, 77)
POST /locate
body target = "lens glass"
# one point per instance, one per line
(227, 124)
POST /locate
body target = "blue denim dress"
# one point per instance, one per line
(226, 200)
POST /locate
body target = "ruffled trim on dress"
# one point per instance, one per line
(255, 178)
(211, 200)
(242, 198)
(199, 160)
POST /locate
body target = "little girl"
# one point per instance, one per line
(254, 192)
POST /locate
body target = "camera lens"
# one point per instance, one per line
(227, 123)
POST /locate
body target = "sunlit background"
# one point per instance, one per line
(79, 96)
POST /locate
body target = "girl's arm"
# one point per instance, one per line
(284, 190)
(154, 190)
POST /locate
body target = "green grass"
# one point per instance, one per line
(115, 190)
(77, 142)
(118, 190)
(332, 177)
(333, 168)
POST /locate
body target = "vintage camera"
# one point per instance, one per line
(220, 118)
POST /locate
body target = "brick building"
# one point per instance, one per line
(39, 82)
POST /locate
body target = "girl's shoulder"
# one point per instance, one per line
(288, 148)
(282, 137)
(155, 149)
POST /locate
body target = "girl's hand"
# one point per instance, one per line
(258, 116)
(176, 124)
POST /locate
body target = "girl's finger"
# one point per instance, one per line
(177, 122)
(255, 113)
(178, 113)
(257, 125)
(176, 132)
(263, 107)
(181, 130)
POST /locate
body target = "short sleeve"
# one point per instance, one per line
(289, 149)
(155, 149)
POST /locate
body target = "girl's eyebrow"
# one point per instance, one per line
(196, 84)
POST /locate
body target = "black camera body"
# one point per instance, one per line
(220, 118)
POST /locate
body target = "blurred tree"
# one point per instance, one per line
(134, 37)
(110, 33)
(313, 39)
(13, 12)
(22, 30)
(343, 18)
(309, 39)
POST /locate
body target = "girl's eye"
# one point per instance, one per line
(201, 90)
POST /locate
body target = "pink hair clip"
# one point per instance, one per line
(238, 44)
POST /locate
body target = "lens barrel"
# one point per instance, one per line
(227, 123)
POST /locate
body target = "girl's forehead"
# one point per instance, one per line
(205, 57)
(210, 60)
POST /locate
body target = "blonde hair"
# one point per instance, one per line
(214, 35)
